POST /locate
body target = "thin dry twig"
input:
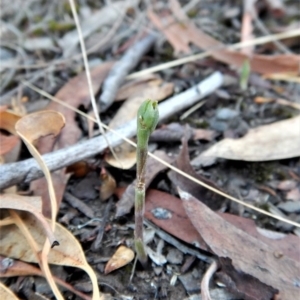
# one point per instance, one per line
(205, 280)
(121, 69)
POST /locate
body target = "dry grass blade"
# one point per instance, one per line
(6, 293)
(88, 75)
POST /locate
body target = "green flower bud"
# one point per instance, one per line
(148, 116)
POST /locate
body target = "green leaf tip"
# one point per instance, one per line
(148, 115)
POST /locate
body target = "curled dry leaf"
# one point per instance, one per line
(31, 205)
(40, 124)
(279, 140)
(20, 268)
(122, 257)
(34, 126)
(10, 145)
(248, 254)
(108, 185)
(74, 93)
(210, 198)
(134, 87)
(6, 293)
(69, 253)
(8, 120)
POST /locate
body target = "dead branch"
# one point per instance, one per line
(28, 170)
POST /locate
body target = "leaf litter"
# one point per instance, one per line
(258, 259)
(162, 208)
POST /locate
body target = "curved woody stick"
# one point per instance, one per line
(147, 119)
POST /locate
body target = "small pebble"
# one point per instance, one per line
(175, 256)
(157, 270)
(290, 206)
(190, 283)
(226, 114)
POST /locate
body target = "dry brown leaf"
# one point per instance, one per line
(31, 205)
(289, 77)
(241, 284)
(108, 185)
(167, 212)
(69, 253)
(126, 156)
(293, 194)
(261, 100)
(134, 87)
(40, 124)
(75, 93)
(247, 27)
(8, 143)
(20, 268)
(6, 293)
(287, 245)
(248, 254)
(121, 258)
(79, 169)
(155, 90)
(181, 33)
(279, 140)
(210, 198)
(8, 120)
(33, 127)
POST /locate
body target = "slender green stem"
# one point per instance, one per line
(147, 119)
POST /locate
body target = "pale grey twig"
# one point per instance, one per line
(173, 241)
(28, 170)
(122, 68)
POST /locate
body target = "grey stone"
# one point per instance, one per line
(175, 256)
(190, 283)
(290, 206)
(226, 114)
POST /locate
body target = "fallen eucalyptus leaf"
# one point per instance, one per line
(31, 205)
(69, 253)
(249, 255)
(279, 140)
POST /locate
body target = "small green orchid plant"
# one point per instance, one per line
(147, 119)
